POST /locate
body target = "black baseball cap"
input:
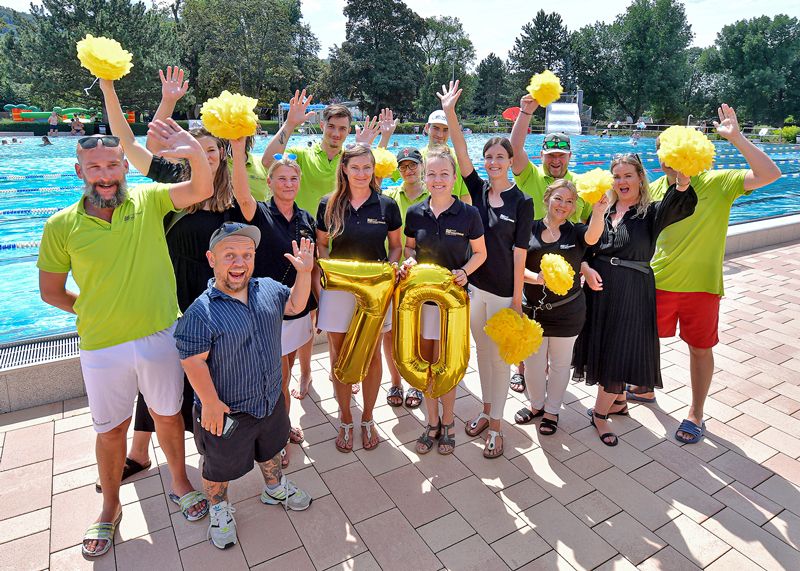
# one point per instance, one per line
(234, 229)
(409, 154)
(556, 143)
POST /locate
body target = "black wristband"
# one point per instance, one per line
(525, 112)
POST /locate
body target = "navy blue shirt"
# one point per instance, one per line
(243, 341)
(505, 228)
(443, 240)
(277, 234)
(365, 229)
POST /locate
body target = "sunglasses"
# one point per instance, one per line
(556, 145)
(91, 142)
(289, 156)
(634, 156)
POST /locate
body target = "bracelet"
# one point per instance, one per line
(525, 112)
(465, 272)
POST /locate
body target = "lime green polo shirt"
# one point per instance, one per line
(689, 253)
(318, 175)
(533, 181)
(402, 200)
(123, 270)
(256, 177)
(459, 188)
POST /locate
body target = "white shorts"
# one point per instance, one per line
(295, 333)
(336, 309)
(430, 322)
(114, 375)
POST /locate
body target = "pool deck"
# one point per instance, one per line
(558, 502)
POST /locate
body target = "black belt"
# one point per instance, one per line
(564, 301)
(643, 267)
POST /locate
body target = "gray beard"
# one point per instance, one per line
(94, 198)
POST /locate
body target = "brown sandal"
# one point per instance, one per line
(475, 426)
(492, 450)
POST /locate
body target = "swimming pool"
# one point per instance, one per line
(35, 181)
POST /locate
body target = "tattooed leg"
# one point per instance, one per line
(271, 470)
(216, 492)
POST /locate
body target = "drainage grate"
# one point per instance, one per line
(39, 350)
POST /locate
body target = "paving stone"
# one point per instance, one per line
(748, 503)
(27, 446)
(296, 560)
(786, 527)
(520, 547)
(634, 498)
(777, 439)
(357, 492)
(690, 500)
(593, 508)
(472, 554)
(667, 560)
(157, 550)
(732, 560)
(30, 552)
(693, 542)
(25, 489)
(72, 559)
(485, 512)
(497, 474)
(205, 556)
(550, 561)
(587, 464)
(787, 467)
(440, 470)
(702, 475)
(552, 476)
(653, 476)
(742, 469)
(399, 550)
(445, 531)
(414, 495)
(523, 495)
(629, 537)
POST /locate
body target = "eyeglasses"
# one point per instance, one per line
(624, 156)
(91, 142)
(407, 166)
(290, 156)
(556, 145)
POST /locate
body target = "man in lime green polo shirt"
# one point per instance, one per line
(113, 242)
(688, 263)
(256, 173)
(438, 135)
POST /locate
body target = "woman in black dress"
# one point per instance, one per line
(619, 341)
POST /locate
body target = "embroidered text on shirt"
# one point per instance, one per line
(566, 246)
(451, 232)
(507, 219)
(375, 221)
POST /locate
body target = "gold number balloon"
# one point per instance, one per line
(428, 282)
(372, 284)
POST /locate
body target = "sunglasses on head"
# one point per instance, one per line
(628, 156)
(91, 142)
(556, 145)
(290, 156)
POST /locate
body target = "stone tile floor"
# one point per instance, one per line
(558, 502)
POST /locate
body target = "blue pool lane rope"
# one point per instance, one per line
(20, 245)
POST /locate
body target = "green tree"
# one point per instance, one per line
(490, 91)
(448, 54)
(543, 43)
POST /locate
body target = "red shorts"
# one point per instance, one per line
(697, 312)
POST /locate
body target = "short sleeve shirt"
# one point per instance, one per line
(444, 240)
(256, 176)
(534, 180)
(365, 229)
(123, 269)
(318, 175)
(505, 228)
(689, 253)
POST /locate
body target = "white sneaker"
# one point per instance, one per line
(222, 531)
(292, 497)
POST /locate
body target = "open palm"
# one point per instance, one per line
(449, 96)
(728, 125)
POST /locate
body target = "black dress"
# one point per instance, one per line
(619, 341)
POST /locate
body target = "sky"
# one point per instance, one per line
(493, 25)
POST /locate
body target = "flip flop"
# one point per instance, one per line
(188, 501)
(688, 427)
(101, 531)
(395, 393)
(131, 468)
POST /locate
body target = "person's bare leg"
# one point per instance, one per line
(304, 356)
(110, 452)
(170, 431)
(602, 405)
(342, 391)
(286, 373)
(271, 471)
(372, 384)
(216, 492)
(140, 447)
(701, 369)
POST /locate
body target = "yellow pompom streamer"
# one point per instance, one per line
(385, 162)
(594, 184)
(517, 336)
(104, 57)
(558, 274)
(686, 150)
(230, 116)
(545, 88)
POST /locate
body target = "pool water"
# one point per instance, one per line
(35, 181)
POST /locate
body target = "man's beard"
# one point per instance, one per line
(94, 198)
(235, 288)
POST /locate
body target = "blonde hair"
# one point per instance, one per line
(559, 184)
(222, 199)
(340, 197)
(284, 161)
(644, 189)
(439, 152)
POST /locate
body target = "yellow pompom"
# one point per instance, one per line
(594, 184)
(385, 162)
(558, 274)
(517, 336)
(686, 150)
(104, 57)
(229, 116)
(545, 88)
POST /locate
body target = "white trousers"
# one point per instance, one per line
(493, 371)
(547, 373)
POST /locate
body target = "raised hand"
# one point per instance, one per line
(367, 134)
(173, 86)
(528, 104)
(683, 181)
(599, 207)
(176, 142)
(302, 257)
(238, 146)
(297, 108)
(728, 125)
(387, 122)
(449, 96)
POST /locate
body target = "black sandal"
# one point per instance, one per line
(603, 437)
(526, 415)
(623, 412)
(446, 440)
(517, 383)
(426, 440)
(548, 426)
(395, 392)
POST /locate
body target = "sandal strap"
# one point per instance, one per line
(101, 531)
(368, 426)
(191, 499)
(690, 427)
(347, 428)
(474, 423)
(491, 443)
(600, 416)
(395, 391)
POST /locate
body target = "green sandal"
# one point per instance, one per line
(100, 531)
(190, 500)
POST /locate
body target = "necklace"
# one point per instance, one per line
(552, 235)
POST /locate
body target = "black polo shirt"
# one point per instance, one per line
(277, 234)
(365, 229)
(505, 228)
(443, 240)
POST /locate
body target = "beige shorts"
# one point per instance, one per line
(430, 322)
(336, 309)
(295, 333)
(114, 375)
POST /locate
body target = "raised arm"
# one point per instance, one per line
(527, 105)
(597, 222)
(387, 124)
(179, 144)
(173, 87)
(137, 154)
(241, 188)
(294, 118)
(302, 258)
(449, 97)
(763, 169)
(367, 133)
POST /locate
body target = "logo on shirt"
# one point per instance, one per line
(566, 246)
(451, 232)
(507, 219)
(129, 217)
(375, 221)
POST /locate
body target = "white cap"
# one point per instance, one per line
(437, 118)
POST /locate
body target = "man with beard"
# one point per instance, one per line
(229, 341)
(112, 240)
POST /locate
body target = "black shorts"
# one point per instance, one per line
(143, 422)
(255, 439)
